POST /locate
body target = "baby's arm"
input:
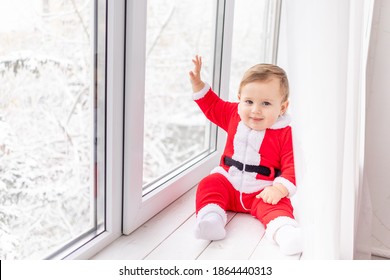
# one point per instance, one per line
(283, 185)
(214, 108)
(273, 194)
(196, 81)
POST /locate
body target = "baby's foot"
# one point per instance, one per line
(210, 227)
(289, 239)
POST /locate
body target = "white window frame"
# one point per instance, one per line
(114, 134)
(139, 208)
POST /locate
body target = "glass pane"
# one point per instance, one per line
(49, 85)
(253, 38)
(175, 130)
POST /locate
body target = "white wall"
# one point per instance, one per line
(378, 128)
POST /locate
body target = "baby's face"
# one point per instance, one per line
(261, 103)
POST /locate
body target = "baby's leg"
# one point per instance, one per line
(212, 198)
(285, 232)
(281, 227)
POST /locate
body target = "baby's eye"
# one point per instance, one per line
(266, 103)
(249, 102)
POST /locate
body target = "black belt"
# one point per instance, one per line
(260, 169)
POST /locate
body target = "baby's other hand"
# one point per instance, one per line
(270, 195)
(196, 81)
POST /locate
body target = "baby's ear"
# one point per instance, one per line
(285, 106)
(239, 97)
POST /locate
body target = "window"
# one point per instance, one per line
(175, 131)
(169, 145)
(52, 122)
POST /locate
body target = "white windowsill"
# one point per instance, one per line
(169, 236)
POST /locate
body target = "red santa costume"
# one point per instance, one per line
(251, 161)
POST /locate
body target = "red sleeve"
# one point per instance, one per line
(217, 110)
(287, 157)
(287, 177)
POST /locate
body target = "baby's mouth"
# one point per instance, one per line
(256, 119)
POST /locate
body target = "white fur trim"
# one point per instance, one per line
(209, 208)
(255, 139)
(287, 184)
(200, 94)
(282, 122)
(246, 146)
(240, 142)
(276, 224)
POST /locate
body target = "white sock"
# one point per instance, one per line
(210, 227)
(290, 239)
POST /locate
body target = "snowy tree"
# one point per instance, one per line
(45, 129)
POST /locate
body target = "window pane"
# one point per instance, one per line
(49, 85)
(253, 38)
(175, 130)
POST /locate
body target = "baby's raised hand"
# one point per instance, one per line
(196, 81)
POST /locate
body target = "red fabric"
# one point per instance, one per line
(216, 189)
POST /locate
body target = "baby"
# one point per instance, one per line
(256, 172)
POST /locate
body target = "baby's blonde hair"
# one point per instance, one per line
(264, 72)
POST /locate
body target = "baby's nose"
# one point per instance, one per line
(256, 109)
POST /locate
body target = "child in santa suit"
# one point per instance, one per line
(256, 172)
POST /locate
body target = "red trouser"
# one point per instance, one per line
(216, 189)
